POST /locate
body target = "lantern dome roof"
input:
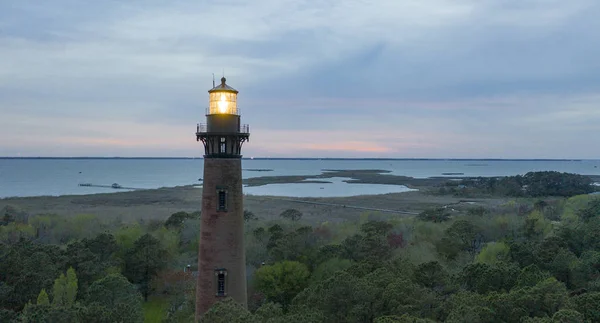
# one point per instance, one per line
(223, 87)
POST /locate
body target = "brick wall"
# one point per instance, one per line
(221, 234)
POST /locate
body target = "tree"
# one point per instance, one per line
(328, 268)
(249, 216)
(371, 244)
(431, 275)
(291, 214)
(48, 313)
(144, 261)
(483, 278)
(176, 220)
(341, 298)
(103, 246)
(42, 298)
(281, 281)
(435, 215)
(8, 316)
(592, 210)
(402, 296)
(64, 290)
(113, 299)
(462, 235)
(269, 311)
(493, 252)
(531, 276)
(227, 311)
(71, 287)
(27, 268)
(401, 319)
(588, 304)
(59, 291)
(567, 316)
(298, 314)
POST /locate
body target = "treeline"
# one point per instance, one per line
(532, 184)
(112, 273)
(516, 263)
(475, 268)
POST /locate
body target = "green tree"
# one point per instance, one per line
(463, 302)
(436, 215)
(462, 235)
(484, 278)
(71, 287)
(341, 298)
(592, 210)
(291, 214)
(568, 316)
(144, 261)
(328, 268)
(299, 314)
(281, 281)
(8, 316)
(268, 311)
(50, 314)
(542, 300)
(59, 291)
(403, 296)
(493, 252)
(531, 276)
(401, 319)
(431, 275)
(113, 299)
(227, 311)
(371, 244)
(92, 258)
(42, 298)
(176, 220)
(522, 253)
(26, 268)
(588, 304)
(249, 216)
(296, 245)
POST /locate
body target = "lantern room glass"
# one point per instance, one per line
(223, 103)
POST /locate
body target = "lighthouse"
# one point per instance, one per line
(221, 255)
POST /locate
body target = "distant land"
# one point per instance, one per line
(320, 158)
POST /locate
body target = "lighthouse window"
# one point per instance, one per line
(222, 148)
(222, 200)
(221, 274)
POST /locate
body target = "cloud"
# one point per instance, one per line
(428, 78)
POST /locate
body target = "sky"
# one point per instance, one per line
(327, 78)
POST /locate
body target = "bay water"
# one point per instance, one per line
(54, 176)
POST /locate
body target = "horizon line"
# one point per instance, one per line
(311, 158)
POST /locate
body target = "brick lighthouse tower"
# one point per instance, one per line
(221, 256)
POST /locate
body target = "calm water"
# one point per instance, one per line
(34, 177)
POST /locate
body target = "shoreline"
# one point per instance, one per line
(160, 203)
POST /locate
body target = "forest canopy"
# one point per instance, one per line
(527, 260)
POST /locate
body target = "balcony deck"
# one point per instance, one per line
(202, 131)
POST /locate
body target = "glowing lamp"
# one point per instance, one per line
(222, 99)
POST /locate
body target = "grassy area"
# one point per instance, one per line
(155, 309)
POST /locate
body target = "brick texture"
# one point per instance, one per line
(221, 234)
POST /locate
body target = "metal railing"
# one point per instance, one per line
(202, 128)
(236, 111)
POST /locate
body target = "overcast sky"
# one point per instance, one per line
(318, 78)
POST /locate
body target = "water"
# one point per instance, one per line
(35, 177)
(336, 188)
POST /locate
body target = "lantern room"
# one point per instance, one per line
(222, 99)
